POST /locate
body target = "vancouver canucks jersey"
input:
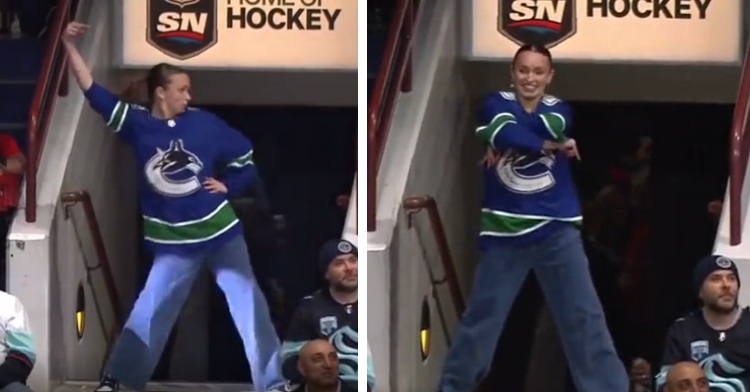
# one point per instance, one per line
(528, 188)
(175, 158)
(723, 355)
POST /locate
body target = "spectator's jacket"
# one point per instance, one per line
(319, 316)
(17, 354)
(10, 184)
(724, 355)
(343, 387)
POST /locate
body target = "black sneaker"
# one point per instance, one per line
(108, 384)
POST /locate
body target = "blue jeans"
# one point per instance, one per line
(156, 310)
(561, 268)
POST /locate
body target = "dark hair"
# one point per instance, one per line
(159, 76)
(535, 48)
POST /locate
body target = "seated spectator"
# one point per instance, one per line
(318, 365)
(686, 377)
(330, 314)
(17, 354)
(716, 335)
(640, 376)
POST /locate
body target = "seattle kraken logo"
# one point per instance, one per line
(525, 174)
(345, 341)
(174, 172)
(722, 375)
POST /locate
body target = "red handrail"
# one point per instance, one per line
(48, 84)
(739, 146)
(395, 70)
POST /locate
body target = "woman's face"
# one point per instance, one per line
(531, 73)
(176, 94)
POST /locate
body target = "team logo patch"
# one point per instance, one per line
(724, 262)
(174, 172)
(182, 29)
(328, 325)
(344, 247)
(543, 22)
(699, 350)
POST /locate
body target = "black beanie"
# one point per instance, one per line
(709, 265)
(333, 249)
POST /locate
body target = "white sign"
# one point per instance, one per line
(668, 31)
(241, 34)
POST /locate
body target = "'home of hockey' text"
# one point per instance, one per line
(281, 15)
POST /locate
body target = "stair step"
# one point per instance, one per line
(15, 102)
(22, 58)
(82, 386)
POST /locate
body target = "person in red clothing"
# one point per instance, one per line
(12, 166)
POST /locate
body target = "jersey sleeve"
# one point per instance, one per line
(120, 116)
(557, 120)
(21, 353)
(301, 330)
(673, 353)
(236, 158)
(501, 130)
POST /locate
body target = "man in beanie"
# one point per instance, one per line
(329, 314)
(716, 336)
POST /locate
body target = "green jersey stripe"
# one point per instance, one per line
(489, 131)
(199, 230)
(244, 160)
(508, 226)
(119, 113)
(555, 124)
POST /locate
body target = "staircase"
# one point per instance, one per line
(19, 70)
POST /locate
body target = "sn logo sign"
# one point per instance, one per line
(178, 21)
(540, 22)
(182, 29)
(547, 10)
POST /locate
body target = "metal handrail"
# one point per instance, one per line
(414, 205)
(68, 200)
(739, 146)
(49, 84)
(395, 70)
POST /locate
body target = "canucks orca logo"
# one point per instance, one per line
(525, 174)
(174, 172)
(345, 341)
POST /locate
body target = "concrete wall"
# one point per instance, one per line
(429, 125)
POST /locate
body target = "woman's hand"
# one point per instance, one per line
(491, 158)
(214, 186)
(570, 148)
(74, 30)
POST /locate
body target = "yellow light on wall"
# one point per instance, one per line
(425, 329)
(80, 311)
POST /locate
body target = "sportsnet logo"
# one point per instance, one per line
(543, 22)
(182, 29)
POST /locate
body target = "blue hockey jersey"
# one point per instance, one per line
(528, 189)
(175, 157)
